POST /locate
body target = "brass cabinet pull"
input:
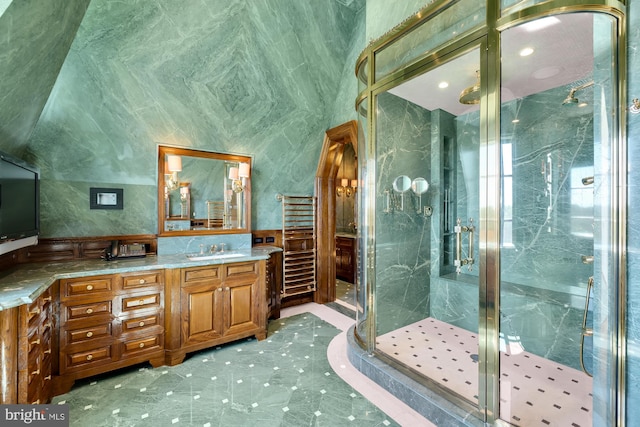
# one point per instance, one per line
(227, 288)
(141, 345)
(36, 342)
(36, 372)
(36, 311)
(46, 299)
(89, 310)
(89, 287)
(89, 334)
(141, 281)
(141, 324)
(219, 289)
(89, 357)
(47, 351)
(141, 302)
(47, 378)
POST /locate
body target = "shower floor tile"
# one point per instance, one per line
(534, 391)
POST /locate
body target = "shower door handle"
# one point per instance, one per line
(459, 229)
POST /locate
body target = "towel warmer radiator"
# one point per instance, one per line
(299, 244)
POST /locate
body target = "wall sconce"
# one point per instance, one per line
(173, 166)
(185, 199)
(345, 189)
(238, 175)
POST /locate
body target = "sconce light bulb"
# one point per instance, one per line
(243, 170)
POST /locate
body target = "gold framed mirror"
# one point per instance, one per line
(203, 192)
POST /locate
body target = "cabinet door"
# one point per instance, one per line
(241, 306)
(201, 312)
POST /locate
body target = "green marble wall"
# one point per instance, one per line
(257, 78)
(35, 37)
(383, 15)
(403, 236)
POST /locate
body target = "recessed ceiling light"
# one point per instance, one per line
(443, 85)
(515, 121)
(540, 24)
(526, 51)
(547, 72)
(583, 104)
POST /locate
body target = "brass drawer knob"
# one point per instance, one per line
(141, 345)
(36, 311)
(227, 288)
(46, 299)
(141, 302)
(89, 334)
(89, 287)
(141, 324)
(36, 372)
(35, 342)
(219, 289)
(47, 351)
(142, 281)
(89, 310)
(90, 356)
(47, 378)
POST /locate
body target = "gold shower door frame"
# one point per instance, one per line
(488, 38)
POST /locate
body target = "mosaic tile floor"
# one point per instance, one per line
(285, 380)
(534, 391)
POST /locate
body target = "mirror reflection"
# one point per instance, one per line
(201, 192)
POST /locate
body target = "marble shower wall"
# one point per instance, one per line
(257, 78)
(402, 236)
(35, 37)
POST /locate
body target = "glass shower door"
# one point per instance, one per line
(555, 140)
(426, 239)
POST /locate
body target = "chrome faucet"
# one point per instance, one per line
(222, 247)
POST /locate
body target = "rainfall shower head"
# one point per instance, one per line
(471, 95)
(571, 98)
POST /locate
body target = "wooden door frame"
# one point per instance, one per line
(335, 140)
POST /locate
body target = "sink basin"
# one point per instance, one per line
(200, 257)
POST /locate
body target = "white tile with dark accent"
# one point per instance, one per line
(534, 391)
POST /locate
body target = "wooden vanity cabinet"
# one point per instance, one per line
(273, 278)
(346, 259)
(108, 322)
(36, 342)
(217, 304)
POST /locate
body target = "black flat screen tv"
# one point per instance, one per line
(19, 204)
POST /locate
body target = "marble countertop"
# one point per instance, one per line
(24, 283)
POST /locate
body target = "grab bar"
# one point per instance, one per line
(459, 229)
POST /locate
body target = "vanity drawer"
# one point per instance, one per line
(138, 345)
(200, 273)
(94, 356)
(90, 333)
(141, 323)
(83, 311)
(241, 269)
(85, 286)
(141, 301)
(145, 279)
